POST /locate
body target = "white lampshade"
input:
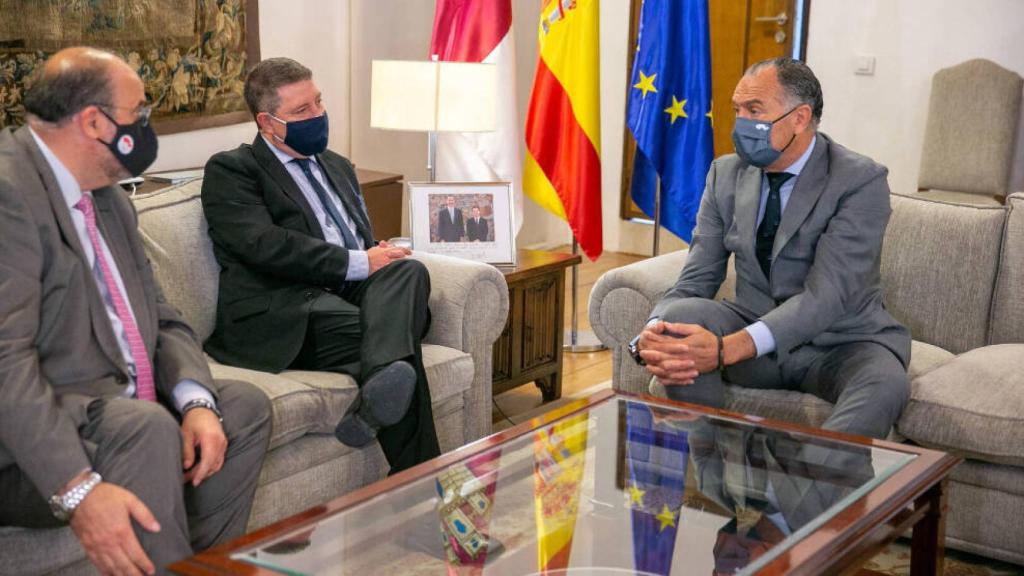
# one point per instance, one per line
(433, 96)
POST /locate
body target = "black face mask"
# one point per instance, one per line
(134, 145)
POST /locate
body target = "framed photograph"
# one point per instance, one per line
(471, 220)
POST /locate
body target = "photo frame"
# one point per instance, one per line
(471, 220)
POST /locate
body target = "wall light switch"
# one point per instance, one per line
(864, 65)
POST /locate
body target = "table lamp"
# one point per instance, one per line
(432, 97)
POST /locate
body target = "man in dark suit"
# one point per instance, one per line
(450, 227)
(476, 227)
(106, 402)
(303, 285)
(804, 218)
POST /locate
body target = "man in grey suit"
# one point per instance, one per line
(109, 417)
(804, 218)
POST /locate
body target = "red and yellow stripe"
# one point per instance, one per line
(562, 171)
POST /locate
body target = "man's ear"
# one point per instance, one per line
(805, 118)
(264, 123)
(92, 123)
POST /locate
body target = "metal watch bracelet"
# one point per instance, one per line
(64, 505)
(201, 403)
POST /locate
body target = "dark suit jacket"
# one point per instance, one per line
(476, 231)
(58, 351)
(272, 253)
(447, 229)
(825, 285)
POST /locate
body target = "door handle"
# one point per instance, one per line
(781, 19)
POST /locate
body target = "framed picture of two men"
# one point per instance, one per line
(471, 220)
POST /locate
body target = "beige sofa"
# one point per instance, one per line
(954, 275)
(306, 465)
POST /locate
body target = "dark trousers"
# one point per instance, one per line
(865, 381)
(371, 324)
(136, 444)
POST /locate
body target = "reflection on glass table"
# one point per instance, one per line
(628, 486)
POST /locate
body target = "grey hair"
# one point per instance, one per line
(797, 79)
(266, 77)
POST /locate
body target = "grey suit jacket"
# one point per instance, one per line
(58, 352)
(825, 285)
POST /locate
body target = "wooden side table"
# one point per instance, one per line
(382, 192)
(530, 347)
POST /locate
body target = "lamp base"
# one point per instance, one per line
(585, 341)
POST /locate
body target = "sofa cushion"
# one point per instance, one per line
(308, 402)
(173, 230)
(299, 408)
(924, 357)
(944, 305)
(1008, 299)
(972, 405)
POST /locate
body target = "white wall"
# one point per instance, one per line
(883, 116)
(314, 32)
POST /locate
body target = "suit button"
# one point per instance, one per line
(309, 295)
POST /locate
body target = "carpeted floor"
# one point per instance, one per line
(895, 561)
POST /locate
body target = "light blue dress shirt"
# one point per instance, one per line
(186, 390)
(762, 335)
(358, 260)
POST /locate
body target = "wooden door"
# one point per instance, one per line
(742, 32)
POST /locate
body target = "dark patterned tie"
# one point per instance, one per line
(770, 223)
(332, 211)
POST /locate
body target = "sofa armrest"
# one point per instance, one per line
(468, 308)
(620, 303)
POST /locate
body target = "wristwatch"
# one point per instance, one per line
(63, 506)
(202, 403)
(634, 351)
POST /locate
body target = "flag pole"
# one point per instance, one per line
(657, 215)
(575, 340)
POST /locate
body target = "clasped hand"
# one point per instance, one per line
(678, 353)
(384, 253)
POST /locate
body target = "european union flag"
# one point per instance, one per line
(669, 110)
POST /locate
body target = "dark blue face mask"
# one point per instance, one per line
(753, 140)
(307, 137)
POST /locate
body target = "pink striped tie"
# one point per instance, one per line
(144, 387)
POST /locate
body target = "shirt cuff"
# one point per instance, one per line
(189, 390)
(358, 265)
(762, 336)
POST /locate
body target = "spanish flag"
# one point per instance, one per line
(562, 171)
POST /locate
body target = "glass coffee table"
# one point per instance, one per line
(621, 484)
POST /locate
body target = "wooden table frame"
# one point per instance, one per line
(914, 497)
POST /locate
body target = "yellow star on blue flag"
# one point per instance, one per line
(676, 110)
(646, 84)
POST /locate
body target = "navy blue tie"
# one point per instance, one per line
(770, 222)
(332, 211)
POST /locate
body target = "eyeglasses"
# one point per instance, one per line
(141, 112)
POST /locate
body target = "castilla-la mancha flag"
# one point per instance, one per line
(562, 171)
(481, 31)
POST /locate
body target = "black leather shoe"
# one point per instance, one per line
(382, 401)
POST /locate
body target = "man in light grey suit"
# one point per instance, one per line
(109, 417)
(804, 218)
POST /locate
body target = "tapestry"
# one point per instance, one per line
(192, 55)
